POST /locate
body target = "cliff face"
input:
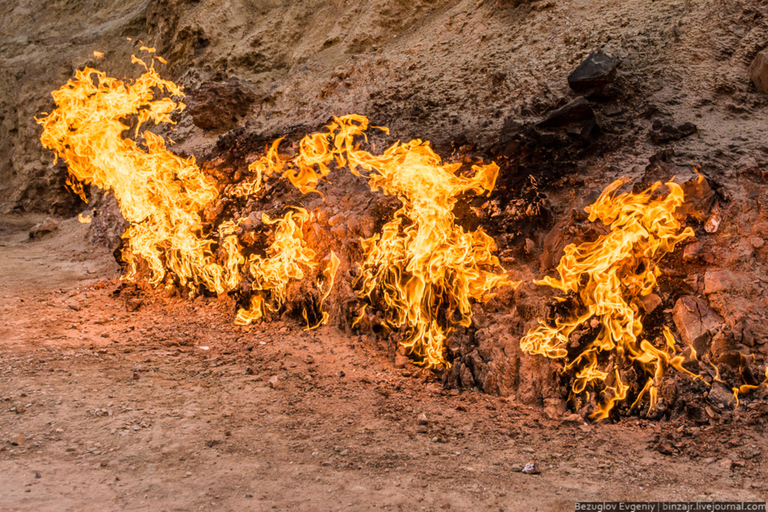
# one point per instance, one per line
(443, 71)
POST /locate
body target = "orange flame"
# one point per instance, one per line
(287, 258)
(608, 276)
(422, 267)
(161, 194)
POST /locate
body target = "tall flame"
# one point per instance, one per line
(423, 267)
(607, 277)
(161, 194)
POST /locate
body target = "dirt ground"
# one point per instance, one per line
(171, 407)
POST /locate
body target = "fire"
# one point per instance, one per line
(161, 194)
(423, 268)
(605, 280)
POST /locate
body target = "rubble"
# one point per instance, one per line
(576, 111)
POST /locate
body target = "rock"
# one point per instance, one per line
(713, 222)
(720, 396)
(18, 440)
(699, 196)
(650, 302)
(691, 252)
(577, 111)
(466, 378)
(43, 228)
(423, 419)
(274, 382)
(73, 305)
(726, 464)
(596, 70)
(716, 281)
(758, 72)
(554, 407)
(695, 322)
(401, 361)
(666, 130)
(573, 418)
(133, 304)
(217, 105)
(531, 469)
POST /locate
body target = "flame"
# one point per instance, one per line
(84, 219)
(161, 194)
(606, 278)
(287, 258)
(422, 267)
(330, 276)
(98, 55)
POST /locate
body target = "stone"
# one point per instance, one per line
(133, 304)
(18, 440)
(720, 396)
(758, 72)
(717, 281)
(217, 105)
(423, 419)
(667, 130)
(43, 228)
(577, 111)
(274, 382)
(554, 407)
(695, 322)
(596, 70)
(531, 468)
(699, 196)
(650, 302)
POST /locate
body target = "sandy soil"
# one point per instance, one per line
(170, 407)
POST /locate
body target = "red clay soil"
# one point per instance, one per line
(172, 407)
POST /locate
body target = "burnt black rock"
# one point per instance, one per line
(666, 130)
(577, 111)
(595, 71)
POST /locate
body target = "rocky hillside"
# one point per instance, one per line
(668, 87)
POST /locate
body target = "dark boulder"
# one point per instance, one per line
(595, 71)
